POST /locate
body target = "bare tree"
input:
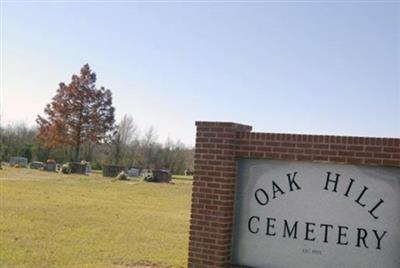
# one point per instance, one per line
(17, 140)
(126, 132)
(149, 148)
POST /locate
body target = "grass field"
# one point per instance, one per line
(55, 220)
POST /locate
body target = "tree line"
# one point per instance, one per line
(78, 124)
(128, 147)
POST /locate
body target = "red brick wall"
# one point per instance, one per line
(220, 144)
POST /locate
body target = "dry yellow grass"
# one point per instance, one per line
(55, 220)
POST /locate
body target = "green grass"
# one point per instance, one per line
(55, 220)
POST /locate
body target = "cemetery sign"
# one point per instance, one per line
(271, 200)
(320, 214)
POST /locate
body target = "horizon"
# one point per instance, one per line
(292, 67)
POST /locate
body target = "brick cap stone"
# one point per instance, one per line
(235, 126)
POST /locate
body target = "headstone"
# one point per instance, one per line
(133, 172)
(77, 167)
(36, 165)
(88, 168)
(50, 165)
(112, 170)
(161, 175)
(20, 161)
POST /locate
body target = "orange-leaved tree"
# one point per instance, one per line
(77, 114)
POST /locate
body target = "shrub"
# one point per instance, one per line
(96, 166)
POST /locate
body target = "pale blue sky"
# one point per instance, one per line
(296, 67)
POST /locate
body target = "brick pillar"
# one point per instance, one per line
(213, 194)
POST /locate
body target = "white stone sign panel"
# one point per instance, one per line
(291, 214)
